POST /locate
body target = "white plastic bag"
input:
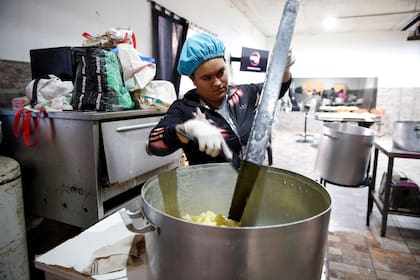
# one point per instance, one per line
(53, 94)
(122, 35)
(157, 94)
(111, 38)
(137, 73)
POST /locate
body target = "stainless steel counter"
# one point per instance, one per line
(86, 164)
(92, 116)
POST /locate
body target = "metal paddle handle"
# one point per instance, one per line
(263, 120)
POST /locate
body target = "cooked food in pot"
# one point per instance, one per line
(210, 218)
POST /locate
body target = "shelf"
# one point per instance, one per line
(391, 153)
(379, 203)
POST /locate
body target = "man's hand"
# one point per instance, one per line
(208, 136)
(290, 61)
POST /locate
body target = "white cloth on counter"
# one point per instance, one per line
(110, 258)
(107, 237)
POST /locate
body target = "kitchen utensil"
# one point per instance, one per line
(261, 127)
(288, 216)
(406, 135)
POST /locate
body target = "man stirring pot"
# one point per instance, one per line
(217, 115)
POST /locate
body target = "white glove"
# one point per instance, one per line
(209, 138)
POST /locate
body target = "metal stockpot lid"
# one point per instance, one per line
(9, 170)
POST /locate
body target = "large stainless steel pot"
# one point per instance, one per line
(288, 216)
(406, 135)
(343, 153)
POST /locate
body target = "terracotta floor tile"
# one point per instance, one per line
(335, 258)
(338, 266)
(394, 245)
(356, 239)
(414, 251)
(332, 237)
(396, 262)
(356, 258)
(350, 272)
(386, 275)
(334, 251)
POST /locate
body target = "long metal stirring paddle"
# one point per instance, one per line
(263, 120)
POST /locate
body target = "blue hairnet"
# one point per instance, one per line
(198, 49)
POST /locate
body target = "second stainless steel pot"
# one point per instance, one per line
(289, 213)
(343, 153)
(406, 135)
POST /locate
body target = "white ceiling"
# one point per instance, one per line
(356, 15)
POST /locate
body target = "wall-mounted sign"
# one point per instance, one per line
(253, 60)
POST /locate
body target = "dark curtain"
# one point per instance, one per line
(169, 33)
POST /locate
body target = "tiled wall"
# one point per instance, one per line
(400, 104)
(14, 76)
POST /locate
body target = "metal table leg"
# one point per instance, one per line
(372, 186)
(386, 199)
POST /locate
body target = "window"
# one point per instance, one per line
(169, 31)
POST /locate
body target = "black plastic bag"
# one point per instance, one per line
(99, 85)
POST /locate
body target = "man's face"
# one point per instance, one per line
(211, 81)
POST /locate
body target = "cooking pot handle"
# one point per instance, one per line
(128, 216)
(330, 136)
(417, 127)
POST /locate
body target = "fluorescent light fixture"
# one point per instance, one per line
(330, 22)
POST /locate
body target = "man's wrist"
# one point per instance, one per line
(287, 75)
(181, 137)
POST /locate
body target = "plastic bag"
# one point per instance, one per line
(50, 93)
(137, 72)
(99, 85)
(47, 94)
(110, 38)
(157, 94)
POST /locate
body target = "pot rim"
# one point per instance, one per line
(349, 130)
(223, 228)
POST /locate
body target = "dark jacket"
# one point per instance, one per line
(242, 100)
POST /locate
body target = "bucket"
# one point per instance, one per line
(13, 249)
(288, 216)
(343, 153)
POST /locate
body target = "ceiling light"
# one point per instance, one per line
(330, 22)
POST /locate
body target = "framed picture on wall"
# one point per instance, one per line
(253, 60)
